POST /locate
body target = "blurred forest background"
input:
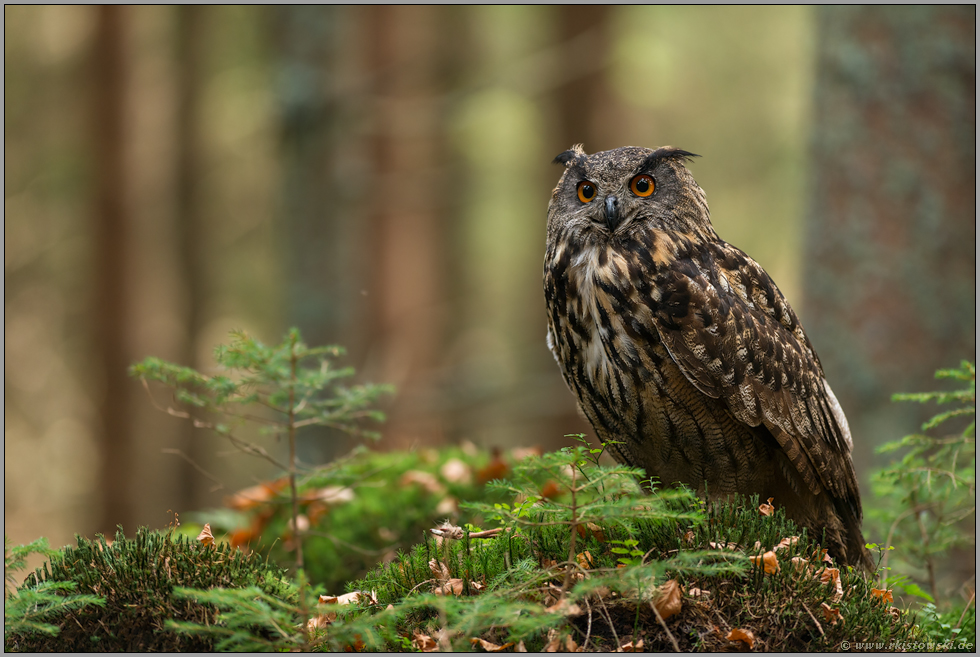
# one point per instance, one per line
(379, 176)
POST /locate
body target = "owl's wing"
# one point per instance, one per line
(734, 336)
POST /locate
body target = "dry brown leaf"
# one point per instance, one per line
(668, 602)
(439, 569)
(785, 543)
(357, 646)
(832, 575)
(689, 537)
(495, 469)
(830, 614)
(520, 647)
(565, 608)
(554, 641)
(745, 636)
(453, 586)
(585, 560)
(766, 508)
(884, 594)
(248, 498)
(723, 546)
(769, 562)
(801, 565)
(490, 647)
(426, 480)
(367, 597)
(205, 537)
(570, 645)
(550, 490)
(320, 621)
(631, 647)
(521, 453)
(447, 506)
(456, 472)
(424, 642)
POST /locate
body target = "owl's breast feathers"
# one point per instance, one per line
(619, 307)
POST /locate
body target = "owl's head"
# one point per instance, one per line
(628, 189)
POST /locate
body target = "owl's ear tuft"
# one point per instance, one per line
(666, 153)
(573, 154)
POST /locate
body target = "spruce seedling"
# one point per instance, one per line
(283, 388)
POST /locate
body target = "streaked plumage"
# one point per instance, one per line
(680, 346)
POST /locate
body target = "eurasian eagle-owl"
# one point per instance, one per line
(680, 346)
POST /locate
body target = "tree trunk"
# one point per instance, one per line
(890, 250)
(111, 235)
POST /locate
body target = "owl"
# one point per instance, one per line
(680, 347)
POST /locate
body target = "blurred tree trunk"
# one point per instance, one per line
(584, 101)
(890, 250)
(323, 175)
(111, 232)
(189, 215)
(406, 229)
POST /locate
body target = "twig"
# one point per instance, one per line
(815, 621)
(177, 452)
(663, 624)
(973, 596)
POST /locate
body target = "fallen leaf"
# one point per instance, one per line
(447, 506)
(521, 453)
(591, 528)
(426, 480)
(321, 621)
(884, 594)
(253, 496)
(490, 647)
(366, 597)
(745, 636)
(668, 602)
(456, 472)
(301, 521)
(495, 469)
(550, 490)
(801, 565)
(205, 537)
(424, 642)
(554, 641)
(689, 537)
(766, 508)
(830, 614)
(331, 495)
(520, 647)
(786, 542)
(631, 647)
(565, 608)
(357, 646)
(585, 560)
(570, 645)
(438, 569)
(723, 546)
(832, 575)
(769, 562)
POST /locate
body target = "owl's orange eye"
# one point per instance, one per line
(642, 185)
(586, 191)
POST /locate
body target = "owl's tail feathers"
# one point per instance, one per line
(854, 552)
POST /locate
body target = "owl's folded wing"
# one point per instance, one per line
(734, 337)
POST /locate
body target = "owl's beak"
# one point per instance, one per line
(612, 212)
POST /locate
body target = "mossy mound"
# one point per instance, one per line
(136, 577)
